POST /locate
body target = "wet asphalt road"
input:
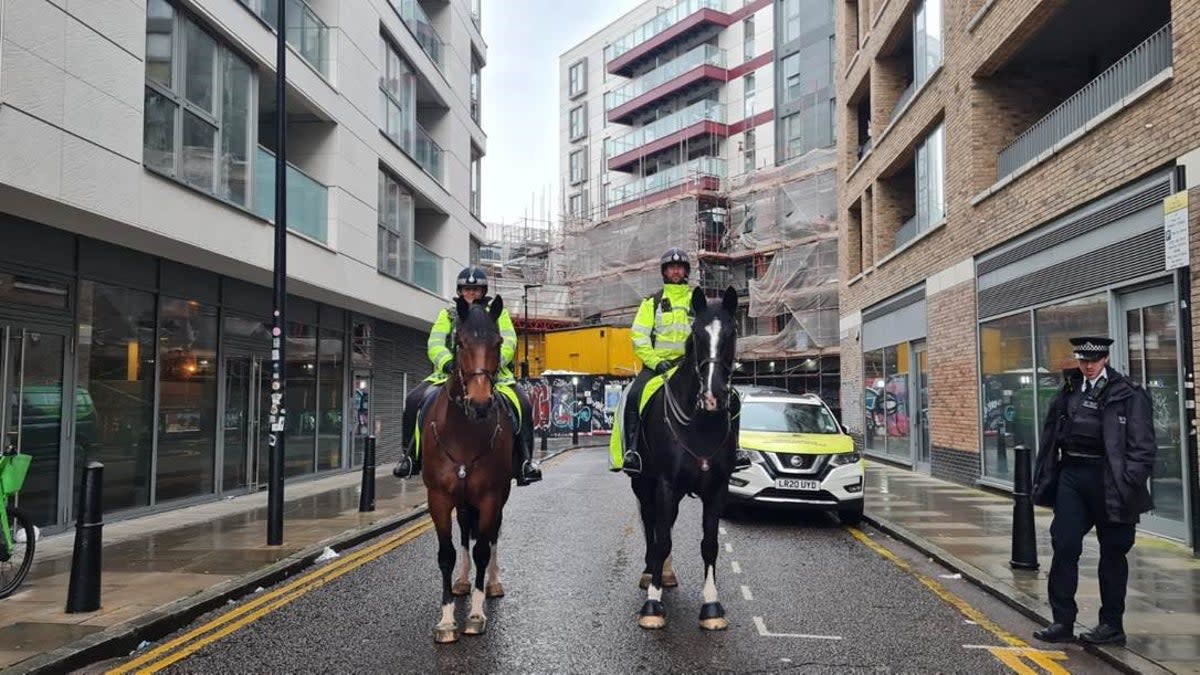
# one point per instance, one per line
(801, 594)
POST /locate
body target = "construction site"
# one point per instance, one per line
(770, 234)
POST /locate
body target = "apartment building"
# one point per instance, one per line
(709, 125)
(136, 221)
(1013, 173)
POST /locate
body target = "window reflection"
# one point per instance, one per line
(1009, 381)
(874, 401)
(301, 401)
(187, 399)
(332, 384)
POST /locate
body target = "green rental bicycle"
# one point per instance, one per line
(18, 536)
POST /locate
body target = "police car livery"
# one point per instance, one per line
(793, 453)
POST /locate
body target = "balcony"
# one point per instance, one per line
(307, 200)
(705, 62)
(418, 23)
(702, 173)
(306, 32)
(1098, 97)
(428, 154)
(681, 20)
(698, 119)
(427, 269)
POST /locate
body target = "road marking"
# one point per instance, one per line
(762, 630)
(194, 640)
(1017, 649)
(746, 593)
(723, 530)
(728, 547)
(737, 567)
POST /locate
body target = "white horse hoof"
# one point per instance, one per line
(475, 625)
(445, 634)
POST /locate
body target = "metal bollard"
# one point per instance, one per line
(366, 497)
(545, 437)
(1024, 542)
(83, 591)
(574, 430)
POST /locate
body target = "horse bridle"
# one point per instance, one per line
(726, 369)
(462, 402)
(675, 416)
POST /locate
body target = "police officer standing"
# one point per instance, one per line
(1096, 455)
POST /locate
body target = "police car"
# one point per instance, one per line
(793, 453)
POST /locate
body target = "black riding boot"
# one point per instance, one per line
(527, 472)
(409, 464)
(631, 461)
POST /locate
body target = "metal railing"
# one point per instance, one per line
(907, 232)
(418, 22)
(426, 269)
(700, 111)
(703, 55)
(305, 32)
(700, 167)
(307, 200)
(1139, 66)
(428, 153)
(659, 24)
(905, 97)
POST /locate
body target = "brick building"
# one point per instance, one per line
(1005, 174)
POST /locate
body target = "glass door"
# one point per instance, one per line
(920, 406)
(247, 400)
(31, 387)
(1151, 355)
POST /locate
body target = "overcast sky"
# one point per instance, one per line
(520, 96)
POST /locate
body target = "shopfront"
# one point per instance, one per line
(1097, 271)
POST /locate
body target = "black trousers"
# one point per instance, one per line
(629, 420)
(1078, 508)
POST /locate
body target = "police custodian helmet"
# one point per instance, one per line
(472, 276)
(675, 255)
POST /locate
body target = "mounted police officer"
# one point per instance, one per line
(472, 286)
(1096, 456)
(660, 332)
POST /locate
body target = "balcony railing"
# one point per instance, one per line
(905, 97)
(695, 113)
(426, 269)
(1136, 68)
(306, 32)
(907, 232)
(703, 55)
(418, 22)
(428, 153)
(659, 24)
(307, 200)
(701, 167)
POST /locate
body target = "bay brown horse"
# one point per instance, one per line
(467, 438)
(689, 436)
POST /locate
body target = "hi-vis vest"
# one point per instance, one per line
(662, 325)
(441, 342)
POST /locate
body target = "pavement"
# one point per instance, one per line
(970, 531)
(801, 592)
(161, 571)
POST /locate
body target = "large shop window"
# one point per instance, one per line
(331, 387)
(187, 408)
(300, 431)
(197, 107)
(886, 378)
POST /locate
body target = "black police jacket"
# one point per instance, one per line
(1129, 446)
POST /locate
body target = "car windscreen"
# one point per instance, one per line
(783, 416)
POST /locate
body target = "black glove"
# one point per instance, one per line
(449, 367)
(662, 367)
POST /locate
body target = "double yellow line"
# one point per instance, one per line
(189, 643)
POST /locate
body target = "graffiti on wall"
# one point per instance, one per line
(559, 406)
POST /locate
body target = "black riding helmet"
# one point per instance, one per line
(675, 255)
(471, 276)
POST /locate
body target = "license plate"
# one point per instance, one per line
(797, 484)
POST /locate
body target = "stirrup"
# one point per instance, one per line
(529, 473)
(631, 463)
(405, 468)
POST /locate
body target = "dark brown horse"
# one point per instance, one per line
(467, 441)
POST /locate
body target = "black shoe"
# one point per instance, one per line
(528, 473)
(1104, 634)
(631, 463)
(1055, 632)
(405, 468)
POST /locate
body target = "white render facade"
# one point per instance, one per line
(138, 134)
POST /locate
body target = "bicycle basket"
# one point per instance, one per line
(12, 472)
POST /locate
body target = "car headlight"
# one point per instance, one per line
(744, 458)
(845, 458)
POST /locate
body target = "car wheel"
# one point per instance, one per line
(851, 515)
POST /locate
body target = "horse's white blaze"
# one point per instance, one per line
(493, 571)
(714, 341)
(476, 603)
(447, 614)
(464, 564)
(710, 586)
(654, 593)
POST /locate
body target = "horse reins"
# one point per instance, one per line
(673, 412)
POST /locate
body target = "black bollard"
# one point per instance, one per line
(366, 497)
(83, 591)
(575, 431)
(545, 437)
(1024, 542)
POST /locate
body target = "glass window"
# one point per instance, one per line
(114, 396)
(331, 387)
(577, 78)
(476, 86)
(33, 291)
(748, 38)
(896, 408)
(200, 62)
(476, 184)
(160, 38)
(578, 122)
(187, 400)
(236, 78)
(578, 166)
(300, 430)
(873, 402)
(1056, 325)
(748, 85)
(199, 151)
(577, 205)
(395, 228)
(1010, 413)
(797, 14)
(931, 175)
(398, 92)
(749, 151)
(793, 136)
(799, 418)
(927, 39)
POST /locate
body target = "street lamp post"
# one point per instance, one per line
(574, 411)
(525, 360)
(278, 411)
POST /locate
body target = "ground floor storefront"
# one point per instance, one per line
(169, 371)
(947, 377)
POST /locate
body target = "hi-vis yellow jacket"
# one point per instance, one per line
(440, 348)
(661, 329)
